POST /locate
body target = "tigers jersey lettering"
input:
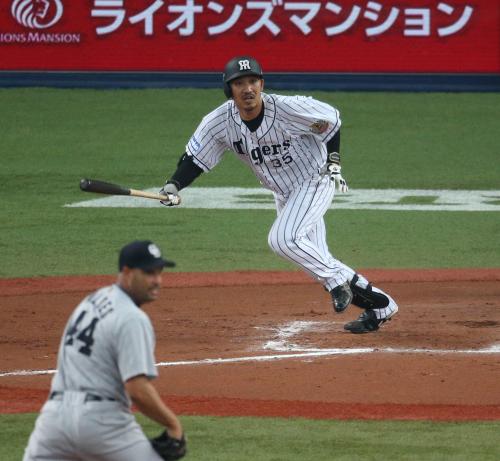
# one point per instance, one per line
(287, 148)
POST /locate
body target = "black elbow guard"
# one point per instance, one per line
(187, 171)
(333, 148)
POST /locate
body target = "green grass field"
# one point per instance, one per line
(278, 439)
(51, 138)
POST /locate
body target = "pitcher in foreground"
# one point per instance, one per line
(106, 362)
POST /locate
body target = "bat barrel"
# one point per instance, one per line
(101, 187)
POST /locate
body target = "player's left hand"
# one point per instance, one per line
(333, 170)
(169, 448)
(171, 193)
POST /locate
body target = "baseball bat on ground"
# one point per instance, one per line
(101, 187)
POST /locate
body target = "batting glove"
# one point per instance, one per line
(171, 194)
(333, 170)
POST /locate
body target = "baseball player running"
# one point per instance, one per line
(292, 145)
(105, 362)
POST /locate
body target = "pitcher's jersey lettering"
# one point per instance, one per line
(107, 341)
(288, 147)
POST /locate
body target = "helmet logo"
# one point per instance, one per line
(244, 64)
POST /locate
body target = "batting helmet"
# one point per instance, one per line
(239, 67)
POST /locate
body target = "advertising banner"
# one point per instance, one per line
(417, 36)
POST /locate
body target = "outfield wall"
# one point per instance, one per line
(282, 81)
(420, 45)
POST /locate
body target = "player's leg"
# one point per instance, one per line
(299, 235)
(108, 432)
(290, 236)
(341, 294)
(138, 451)
(378, 306)
(49, 440)
(317, 234)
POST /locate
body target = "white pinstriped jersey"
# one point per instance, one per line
(288, 147)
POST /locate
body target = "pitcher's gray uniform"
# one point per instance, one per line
(286, 149)
(107, 340)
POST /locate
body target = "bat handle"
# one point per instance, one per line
(172, 198)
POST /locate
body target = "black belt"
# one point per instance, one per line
(88, 397)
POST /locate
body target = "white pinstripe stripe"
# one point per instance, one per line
(299, 216)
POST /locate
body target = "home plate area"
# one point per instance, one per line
(279, 349)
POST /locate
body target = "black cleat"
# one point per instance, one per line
(341, 297)
(365, 323)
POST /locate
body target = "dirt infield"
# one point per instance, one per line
(253, 343)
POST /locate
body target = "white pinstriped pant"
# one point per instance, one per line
(299, 233)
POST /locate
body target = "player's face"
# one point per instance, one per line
(247, 95)
(143, 287)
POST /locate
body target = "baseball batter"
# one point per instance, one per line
(105, 362)
(292, 145)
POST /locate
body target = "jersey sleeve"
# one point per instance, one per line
(207, 145)
(136, 342)
(306, 115)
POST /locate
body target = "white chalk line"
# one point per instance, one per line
(241, 198)
(308, 353)
(286, 331)
(294, 351)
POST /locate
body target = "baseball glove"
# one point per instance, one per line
(169, 448)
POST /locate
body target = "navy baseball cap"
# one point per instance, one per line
(143, 254)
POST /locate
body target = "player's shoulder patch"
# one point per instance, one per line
(319, 126)
(194, 145)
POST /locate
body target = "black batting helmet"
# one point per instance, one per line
(238, 67)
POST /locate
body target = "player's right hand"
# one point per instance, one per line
(171, 193)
